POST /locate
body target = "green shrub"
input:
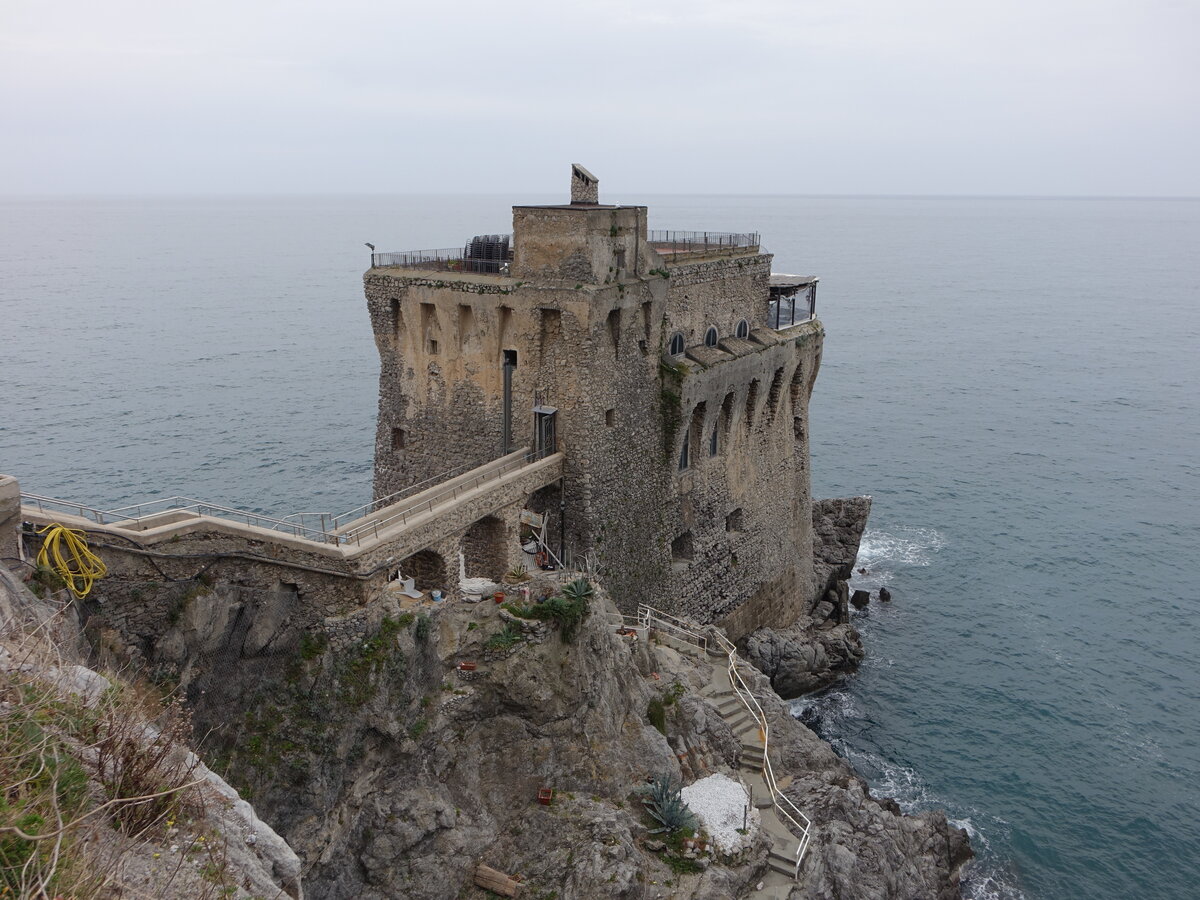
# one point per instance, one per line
(656, 712)
(510, 636)
(580, 590)
(422, 630)
(312, 645)
(568, 611)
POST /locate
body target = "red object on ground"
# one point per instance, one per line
(498, 596)
(545, 795)
(466, 666)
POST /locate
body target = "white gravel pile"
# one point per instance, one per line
(720, 804)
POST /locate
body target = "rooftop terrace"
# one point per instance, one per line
(491, 254)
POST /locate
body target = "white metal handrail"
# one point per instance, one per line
(785, 808)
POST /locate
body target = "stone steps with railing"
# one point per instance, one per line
(790, 829)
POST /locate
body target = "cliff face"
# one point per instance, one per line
(100, 796)
(393, 771)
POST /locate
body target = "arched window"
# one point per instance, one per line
(743, 329)
(676, 346)
(710, 337)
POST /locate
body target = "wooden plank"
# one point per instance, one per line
(493, 880)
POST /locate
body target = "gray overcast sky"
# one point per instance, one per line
(755, 96)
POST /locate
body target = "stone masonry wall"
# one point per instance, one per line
(732, 528)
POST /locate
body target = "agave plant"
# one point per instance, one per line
(664, 802)
(578, 591)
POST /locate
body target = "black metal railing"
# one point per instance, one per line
(701, 241)
(487, 255)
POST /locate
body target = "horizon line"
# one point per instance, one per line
(163, 195)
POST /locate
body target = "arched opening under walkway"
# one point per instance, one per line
(427, 569)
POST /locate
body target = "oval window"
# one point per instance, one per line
(676, 346)
(710, 338)
(743, 329)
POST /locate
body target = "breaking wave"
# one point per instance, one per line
(838, 717)
(899, 547)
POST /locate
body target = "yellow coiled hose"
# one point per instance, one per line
(66, 552)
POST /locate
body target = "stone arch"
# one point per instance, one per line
(775, 395)
(485, 549)
(797, 386)
(427, 568)
(726, 417)
(797, 398)
(751, 403)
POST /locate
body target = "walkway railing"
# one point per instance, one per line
(372, 527)
(137, 515)
(787, 811)
(348, 528)
(366, 509)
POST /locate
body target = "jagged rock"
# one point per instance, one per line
(860, 599)
(804, 657)
(864, 847)
(838, 527)
(885, 595)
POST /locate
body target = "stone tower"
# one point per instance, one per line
(672, 369)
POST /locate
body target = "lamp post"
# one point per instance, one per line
(372, 246)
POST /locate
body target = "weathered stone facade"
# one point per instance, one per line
(639, 348)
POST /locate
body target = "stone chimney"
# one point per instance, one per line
(585, 187)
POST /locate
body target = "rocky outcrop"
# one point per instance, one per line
(804, 657)
(396, 748)
(207, 840)
(838, 527)
(815, 650)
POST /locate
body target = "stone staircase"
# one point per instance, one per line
(781, 860)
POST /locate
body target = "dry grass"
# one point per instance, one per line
(95, 784)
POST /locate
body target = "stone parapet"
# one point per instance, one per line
(10, 520)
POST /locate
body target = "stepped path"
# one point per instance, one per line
(782, 859)
(729, 701)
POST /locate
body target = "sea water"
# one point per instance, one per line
(1014, 381)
